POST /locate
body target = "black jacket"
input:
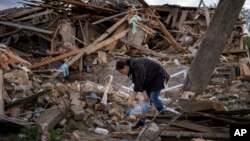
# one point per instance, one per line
(146, 74)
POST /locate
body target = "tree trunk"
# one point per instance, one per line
(212, 45)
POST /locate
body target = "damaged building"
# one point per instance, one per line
(57, 71)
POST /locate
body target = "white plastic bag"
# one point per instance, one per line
(139, 109)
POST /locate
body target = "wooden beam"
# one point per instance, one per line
(86, 50)
(80, 17)
(42, 36)
(194, 127)
(108, 18)
(174, 12)
(35, 15)
(26, 27)
(207, 15)
(201, 105)
(184, 14)
(110, 30)
(145, 50)
(27, 99)
(9, 33)
(86, 32)
(98, 17)
(169, 37)
(179, 134)
(82, 4)
(122, 27)
(28, 11)
(187, 134)
(83, 50)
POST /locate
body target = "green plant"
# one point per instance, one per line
(72, 126)
(29, 132)
(54, 135)
(228, 106)
(246, 41)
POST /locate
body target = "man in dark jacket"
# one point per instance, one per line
(148, 77)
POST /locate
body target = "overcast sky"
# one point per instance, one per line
(4, 4)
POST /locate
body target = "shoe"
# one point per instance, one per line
(140, 122)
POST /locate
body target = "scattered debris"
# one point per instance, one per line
(57, 63)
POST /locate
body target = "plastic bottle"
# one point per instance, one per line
(101, 131)
(139, 109)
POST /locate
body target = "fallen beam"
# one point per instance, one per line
(88, 6)
(22, 13)
(92, 46)
(26, 27)
(145, 50)
(190, 126)
(177, 134)
(108, 18)
(27, 99)
(168, 36)
(34, 15)
(12, 125)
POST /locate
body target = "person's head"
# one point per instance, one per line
(122, 67)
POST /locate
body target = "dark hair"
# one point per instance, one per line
(120, 64)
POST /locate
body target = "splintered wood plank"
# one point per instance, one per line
(188, 134)
(110, 30)
(184, 14)
(84, 5)
(190, 126)
(35, 15)
(174, 13)
(169, 37)
(108, 18)
(27, 99)
(207, 15)
(202, 106)
(86, 32)
(90, 47)
(122, 27)
(193, 126)
(102, 57)
(26, 27)
(179, 134)
(147, 51)
(31, 10)
(241, 42)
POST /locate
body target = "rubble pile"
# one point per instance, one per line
(57, 63)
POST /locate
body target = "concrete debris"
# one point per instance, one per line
(57, 70)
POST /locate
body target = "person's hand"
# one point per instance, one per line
(131, 99)
(145, 97)
(131, 103)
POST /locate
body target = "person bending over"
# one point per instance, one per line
(148, 77)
